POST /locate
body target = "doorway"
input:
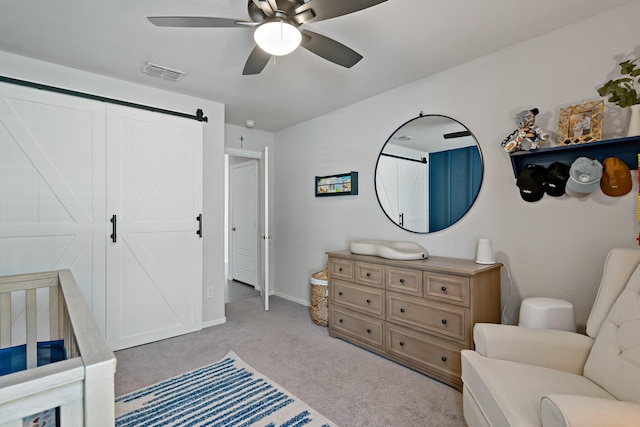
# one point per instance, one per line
(245, 207)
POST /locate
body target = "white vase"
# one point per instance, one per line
(634, 121)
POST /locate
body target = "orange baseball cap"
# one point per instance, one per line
(616, 177)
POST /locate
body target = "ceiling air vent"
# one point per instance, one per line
(404, 138)
(162, 71)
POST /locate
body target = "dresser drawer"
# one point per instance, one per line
(445, 320)
(361, 328)
(365, 299)
(447, 288)
(370, 274)
(341, 269)
(404, 280)
(424, 350)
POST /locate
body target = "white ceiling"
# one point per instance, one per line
(401, 41)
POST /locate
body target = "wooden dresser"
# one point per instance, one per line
(418, 313)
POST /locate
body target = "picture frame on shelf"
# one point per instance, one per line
(581, 123)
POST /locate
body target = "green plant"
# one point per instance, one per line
(623, 91)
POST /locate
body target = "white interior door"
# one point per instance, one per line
(413, 195)
(387, 186)
(402, 187)
(52, 190)
(244, 222)
(266, 237)
(154, 260)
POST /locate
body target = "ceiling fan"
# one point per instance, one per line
(276, 25)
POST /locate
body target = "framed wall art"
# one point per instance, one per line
(344, 184)
(581, 123)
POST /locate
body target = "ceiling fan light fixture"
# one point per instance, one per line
(277, 37)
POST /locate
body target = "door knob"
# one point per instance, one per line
(233, 229)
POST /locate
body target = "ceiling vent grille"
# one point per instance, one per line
(162, 71)
(405, 138)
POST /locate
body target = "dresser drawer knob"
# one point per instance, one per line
(402, 310)
(340, 269)
(368, 331)
(340, 320)
(401, 343)
(368, 274)
(340, 293)
(444, 289)
(368, 301)
(443, 358)
(401, 280)
(444, 321)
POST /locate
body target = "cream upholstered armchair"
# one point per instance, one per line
(524, 377)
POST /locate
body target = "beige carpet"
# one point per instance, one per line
(350, 386)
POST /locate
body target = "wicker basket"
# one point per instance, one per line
(319, 308)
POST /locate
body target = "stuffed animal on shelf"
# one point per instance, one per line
(528, 136)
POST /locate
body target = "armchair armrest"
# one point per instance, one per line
(563, 410)
(550, 348)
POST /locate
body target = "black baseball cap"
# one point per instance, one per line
(532, 182)
(557, 176)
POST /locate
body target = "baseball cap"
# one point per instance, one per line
(557, 176)
(584, 175)
(531, 182)
(616, 178)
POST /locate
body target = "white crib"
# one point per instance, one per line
(82, 386)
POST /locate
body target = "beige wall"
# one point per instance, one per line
(555, 247)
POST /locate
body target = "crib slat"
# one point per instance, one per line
(54, 327)
(5, 319)
(32, 331)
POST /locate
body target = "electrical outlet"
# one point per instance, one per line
(210, 292)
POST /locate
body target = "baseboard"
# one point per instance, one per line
(290, 298)
(214, 322)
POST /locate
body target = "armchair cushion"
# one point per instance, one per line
(580, 411)
(563, 350)
(618, 268)
(509, 393)
(614, 361)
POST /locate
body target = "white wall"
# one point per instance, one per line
(555, 247)
(213, 157)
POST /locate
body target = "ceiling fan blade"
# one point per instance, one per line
(273, 4)
(329, 49)
(257, 60)
(325, 9)
(197, 22)
(304, 16)
(266, 6)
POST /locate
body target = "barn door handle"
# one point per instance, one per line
(199, 219)
(113, 228)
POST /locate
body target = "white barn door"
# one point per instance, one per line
(52, 190)
(154, 259)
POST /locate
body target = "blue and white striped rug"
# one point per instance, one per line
(226, 393)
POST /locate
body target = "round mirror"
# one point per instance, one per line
(428, 173)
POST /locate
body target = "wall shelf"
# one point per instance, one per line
(626, 149)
